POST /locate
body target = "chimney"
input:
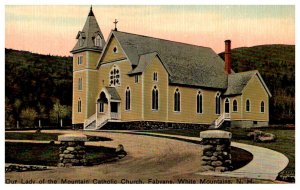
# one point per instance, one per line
(227, 57)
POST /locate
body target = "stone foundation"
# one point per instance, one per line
(151, 125)
(249, 124)
(216, 155)
(72, 150)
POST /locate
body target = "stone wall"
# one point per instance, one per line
(216, 150)
(72, 150)
(149, 125)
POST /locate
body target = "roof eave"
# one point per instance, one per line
(85, 49)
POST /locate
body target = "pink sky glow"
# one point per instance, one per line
(52, 29)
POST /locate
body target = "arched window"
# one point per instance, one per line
(248, 106)
(154, 98)
(177, 100)
(227, 105)
(114, 76)
(218, 104)
(127, 94)
(199, 102)
(235, 106)
(79, 105)
(262, 107)
(98, 41)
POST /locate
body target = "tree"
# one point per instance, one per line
(59, 112)
(17, 106)
(42, 112)
(28, 116)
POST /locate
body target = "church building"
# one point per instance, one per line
(131, 81)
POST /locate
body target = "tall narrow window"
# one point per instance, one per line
(248, 106)
(155, 76)
(80, 84)
(262, 107)
(79, 106)
(234, 106)
(199, 102)
(98, 41)
(227, 105)
(115, 76)
(218, 104)
(79, 60)
(177, 100)
(101, 107)
(154, 98)
(136, 78)
(127, 94)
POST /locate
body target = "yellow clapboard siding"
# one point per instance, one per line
(255, 92)
(162, 86)
(109, 54)
(188, 112)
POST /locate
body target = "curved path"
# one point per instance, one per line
(266, 163)
(151, 157)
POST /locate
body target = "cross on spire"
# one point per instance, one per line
(116, 22)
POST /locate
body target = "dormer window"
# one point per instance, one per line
(98, 41)
(81, 41)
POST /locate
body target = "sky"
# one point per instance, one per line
(52, 29)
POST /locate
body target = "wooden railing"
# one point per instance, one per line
(221, 119)
(89, 120)
(114, 115)
(101, 121)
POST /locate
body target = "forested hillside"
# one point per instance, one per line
(276, 64)
(37, 87)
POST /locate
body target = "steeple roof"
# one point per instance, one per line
(85, 38)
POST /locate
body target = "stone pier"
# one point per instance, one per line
(216, 155)
(72, 150)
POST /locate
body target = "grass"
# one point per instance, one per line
(32, 136)
(45, 136)
(285, 142)
(46, 154)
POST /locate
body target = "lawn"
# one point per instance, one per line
(45, 136)
(285, 142)
(46, 154)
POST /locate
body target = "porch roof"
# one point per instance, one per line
(113, 93)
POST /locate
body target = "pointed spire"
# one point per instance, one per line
(91, 11)
(86, 37)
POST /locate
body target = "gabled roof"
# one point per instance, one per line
(144, 60)
(238, 81)
(113, 93)
(187, 64)
(89, 31)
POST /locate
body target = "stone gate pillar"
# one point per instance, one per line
(72, 150)
(216, 150)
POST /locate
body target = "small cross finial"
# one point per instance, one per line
(116, 22)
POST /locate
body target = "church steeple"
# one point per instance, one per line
(91, 37)
(91, 13)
